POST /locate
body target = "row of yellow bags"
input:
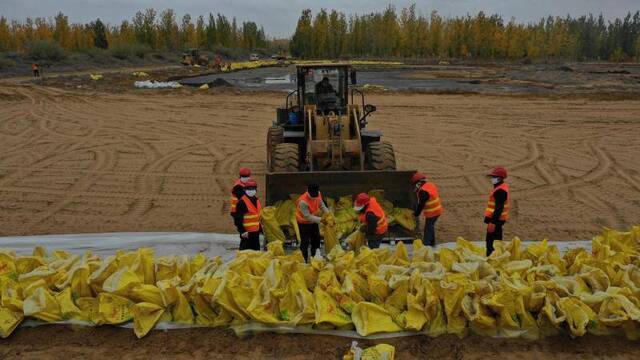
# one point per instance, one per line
(279, 221)
(527, 291)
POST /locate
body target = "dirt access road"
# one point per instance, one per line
(81, 161)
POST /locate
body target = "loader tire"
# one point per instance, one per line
(285, 158)
(275, 136)
(380, 156)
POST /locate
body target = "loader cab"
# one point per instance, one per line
(325, 87)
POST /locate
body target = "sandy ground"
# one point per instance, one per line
(76, 161)
(73, 162)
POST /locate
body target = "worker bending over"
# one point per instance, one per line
(247, 218)
(309, 210)
(429, 205)
(237, 192)
(372, 217)
(497, 211)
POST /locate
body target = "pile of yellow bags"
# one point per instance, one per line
(519, 291)
(279, 220)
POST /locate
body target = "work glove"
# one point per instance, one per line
(491, 228)
(244, 235)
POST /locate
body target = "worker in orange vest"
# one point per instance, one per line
(497, 210)
(237, 191)
(309, 210)
(247, 219)
(373, 218)
(428, 204)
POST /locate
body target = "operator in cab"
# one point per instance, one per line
(324, 87)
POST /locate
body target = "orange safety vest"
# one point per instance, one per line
(491, 205)
(376, 209)
(433, 207)
(251, 220)
(234, 199)
(314, 207)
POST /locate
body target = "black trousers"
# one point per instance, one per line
(374, 240)
(491, 237)
(429, 236)
(252, 242)
(309, 235)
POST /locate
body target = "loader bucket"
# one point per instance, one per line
(334, 184)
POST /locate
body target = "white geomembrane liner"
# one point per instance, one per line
(191, 243)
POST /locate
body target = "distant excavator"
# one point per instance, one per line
(193, 57)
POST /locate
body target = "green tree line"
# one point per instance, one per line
(157, 31)
(408, 34)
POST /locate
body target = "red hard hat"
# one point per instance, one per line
(251, 183)
(417, 177)
(499, 172)
(362, 199)
(244, 172)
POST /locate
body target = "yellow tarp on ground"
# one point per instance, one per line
(519, 291)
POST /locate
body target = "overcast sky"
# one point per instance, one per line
(279, 16)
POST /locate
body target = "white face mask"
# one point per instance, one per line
(495, 180)
(251, 193)
(358, 208)
(244, 179)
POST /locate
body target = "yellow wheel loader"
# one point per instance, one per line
(321, 136)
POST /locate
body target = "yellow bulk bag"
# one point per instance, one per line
(9, 320)
(370, 318)
(579, 315)
(11, 295)
(146, 293)
(107, 267)
(181, 311)
(145, 317)
(114, 309)
(346, 221)
(378, 352)
(275, 248)
(42, 305)
(356, 240)
(77, 279)
(121, 282)
(285, 211)
(405, 218)
(328, 228)
(616, 310)
(480, 319)
(68, 308)
(327, 310)
(89, 308)
(26, 264)
(297, 306)
(270, 225)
